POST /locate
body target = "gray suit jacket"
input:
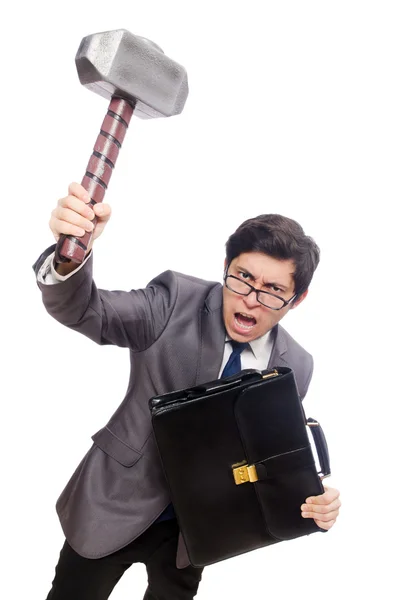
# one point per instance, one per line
(175, 333)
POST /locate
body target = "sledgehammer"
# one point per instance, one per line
(138, 78)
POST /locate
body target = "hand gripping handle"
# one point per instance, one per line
(321, 446)
(98, 173)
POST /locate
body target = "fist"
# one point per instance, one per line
(73, 216)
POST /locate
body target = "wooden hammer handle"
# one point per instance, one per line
(98, 173)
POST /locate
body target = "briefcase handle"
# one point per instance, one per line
(226, 383)
(321, 447)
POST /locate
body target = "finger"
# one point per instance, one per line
(75, 189)
(331, 516)
(321, 508)
(329, 496)
(325, 525)
(70, 216)
(103, 211)
(73, 203)
(59, 228)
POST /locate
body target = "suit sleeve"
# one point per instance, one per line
(133, 319)
(39, 262)
(308, 379)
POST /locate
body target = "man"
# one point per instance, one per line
(181, 331)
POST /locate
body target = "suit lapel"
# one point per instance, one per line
(278, 355)
(212, 339)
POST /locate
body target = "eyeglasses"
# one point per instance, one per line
(237, 285)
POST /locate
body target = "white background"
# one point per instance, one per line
(292, 109)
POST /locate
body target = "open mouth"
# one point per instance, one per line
(244, 321)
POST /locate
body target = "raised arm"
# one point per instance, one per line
(131, 319)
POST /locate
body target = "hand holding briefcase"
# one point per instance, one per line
(238, 461)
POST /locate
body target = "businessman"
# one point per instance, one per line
(180, 331)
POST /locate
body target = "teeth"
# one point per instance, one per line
(245, 315)
(243, 325)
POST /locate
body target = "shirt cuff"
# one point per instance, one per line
(48, 275)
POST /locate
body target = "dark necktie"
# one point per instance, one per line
(233, 365)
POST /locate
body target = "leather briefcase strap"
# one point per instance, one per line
(280, 464)
(284, 463)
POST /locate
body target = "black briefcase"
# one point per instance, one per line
(239, 463)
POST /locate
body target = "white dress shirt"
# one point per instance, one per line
(256, 356)
(49, 276)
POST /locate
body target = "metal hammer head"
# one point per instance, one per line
(118, 63)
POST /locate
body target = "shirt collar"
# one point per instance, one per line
(257, 346)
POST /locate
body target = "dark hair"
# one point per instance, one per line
(281, 238)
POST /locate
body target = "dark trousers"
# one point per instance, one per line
(78, 578)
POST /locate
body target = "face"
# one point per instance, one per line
(245, 318)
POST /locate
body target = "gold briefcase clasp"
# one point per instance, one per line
(245, 474)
